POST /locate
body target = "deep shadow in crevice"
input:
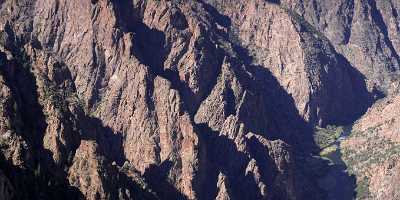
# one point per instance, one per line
(40, 178)
(277, 108)
(224, 157)
(178, 20)
(31, 184)
(229, 98)
(220, 19)
(281, 110)
(269, 168)
(110, 144)
(340, 103)
(378, 19)
(126, 14)
(274, 105)
(157, 176)
(274, 1)
(282, 121)
(98, 67)
(151, 48)
(348, 25)
(363, 99)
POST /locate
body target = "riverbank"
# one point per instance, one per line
(337, 182)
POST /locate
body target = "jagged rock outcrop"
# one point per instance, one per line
(117, 83)
(176, 99)
(365, 32)
(324, 86)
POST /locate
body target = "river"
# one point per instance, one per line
(337, 183)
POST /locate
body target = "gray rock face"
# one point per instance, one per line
(324, 85)
(366, 33)
(182, 99)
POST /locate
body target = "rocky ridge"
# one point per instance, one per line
(181, 99)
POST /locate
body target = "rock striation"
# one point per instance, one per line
(179, 99)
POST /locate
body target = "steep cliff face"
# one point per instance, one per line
(303, 55)
(111, 85)
(365, 32)
(180, 99)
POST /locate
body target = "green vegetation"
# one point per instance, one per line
(362, 191)
(325, 137)
(37, 171)
(62, 94)
(373, 150)
(376, 150)
(328, 151)
(56, 95)
(313, 166)
(304, 24)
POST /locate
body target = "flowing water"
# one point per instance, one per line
(337, 183)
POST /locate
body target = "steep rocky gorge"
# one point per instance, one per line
(213, 99)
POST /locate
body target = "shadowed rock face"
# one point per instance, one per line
(182, 99)
(365, 32)
(7, 190)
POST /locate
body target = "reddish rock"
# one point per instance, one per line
(182, 99)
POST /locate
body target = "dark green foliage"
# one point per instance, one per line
(362, 191)
(325, 137)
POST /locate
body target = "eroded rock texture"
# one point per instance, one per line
(177, 99)
(373, 151)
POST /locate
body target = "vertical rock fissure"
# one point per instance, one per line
(22, 83)
(378, 19)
